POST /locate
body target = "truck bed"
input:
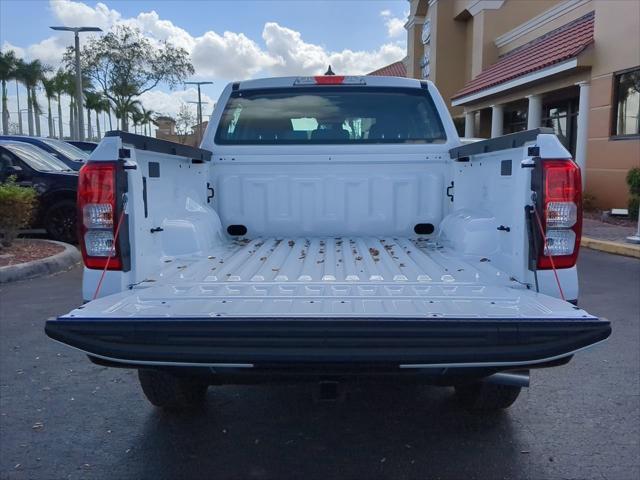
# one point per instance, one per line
(345, 277)
(391, 302)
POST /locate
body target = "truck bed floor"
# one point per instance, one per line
(332, 277)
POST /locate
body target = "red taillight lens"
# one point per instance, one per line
(97, 213)
(561, 204)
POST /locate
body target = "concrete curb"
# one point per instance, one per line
(628, 250)
(45, 266)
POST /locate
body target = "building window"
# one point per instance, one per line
(626, 118)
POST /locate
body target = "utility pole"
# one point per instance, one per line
(79, 103)
(199, 120)
(199, 102)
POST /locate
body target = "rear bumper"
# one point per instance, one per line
(260, 342)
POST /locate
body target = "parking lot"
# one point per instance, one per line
(63, 417)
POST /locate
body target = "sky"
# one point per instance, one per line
(226, 40)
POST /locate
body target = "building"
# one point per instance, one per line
(166, 130)
(510, 65)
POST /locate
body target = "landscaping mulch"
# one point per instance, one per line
(23, 251)
(619, 221)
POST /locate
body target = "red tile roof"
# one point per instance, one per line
(397, 69)
(556, 46)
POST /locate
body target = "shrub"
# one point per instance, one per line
(17, 205)
(633, 180)
(634, 206)
(588, 202)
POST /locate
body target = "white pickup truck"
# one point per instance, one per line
(330, 228)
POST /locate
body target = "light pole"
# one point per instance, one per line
(199, 106)
(76, 31)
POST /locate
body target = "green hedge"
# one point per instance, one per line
(17, 205)
(633, 180)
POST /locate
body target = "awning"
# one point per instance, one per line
(552, 53)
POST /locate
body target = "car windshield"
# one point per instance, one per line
(36, 158)
(69, 151)
(330, 115)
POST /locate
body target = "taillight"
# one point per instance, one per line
(560, 208)
(98, 210)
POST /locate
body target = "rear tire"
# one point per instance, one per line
(486, 397)
(172, 392)
(60, 221)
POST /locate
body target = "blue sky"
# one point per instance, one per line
(227, 40)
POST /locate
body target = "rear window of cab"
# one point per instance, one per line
(330, 115)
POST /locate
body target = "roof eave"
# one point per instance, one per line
(516, 82)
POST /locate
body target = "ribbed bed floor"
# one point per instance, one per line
(341, 259)
(329, 277)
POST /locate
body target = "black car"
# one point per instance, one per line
(71, 156)
(55, 183)
(84, 146)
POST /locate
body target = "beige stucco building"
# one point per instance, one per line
(509, 65)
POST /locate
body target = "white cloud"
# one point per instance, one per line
(168, 103)
(293, 56)
(230, 55)
(50, 50)
(395, 25)
(20, 52)
(220, 56)
(68, 13)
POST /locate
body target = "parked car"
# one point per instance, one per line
(55, 183)
(84, 146)
(72, 156)
(340, 230)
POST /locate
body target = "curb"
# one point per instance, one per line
(45, 266)
(628, 250)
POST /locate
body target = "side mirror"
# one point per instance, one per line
(16, 168)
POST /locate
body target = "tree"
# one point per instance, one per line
(68, 85)
(30, 74)
(49, 85)
(60, 79)
(184, 122)
(148, 119)
(92, 101)
(136, 118)
(124, 64)
(8, 68)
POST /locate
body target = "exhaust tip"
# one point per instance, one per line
(514, 379)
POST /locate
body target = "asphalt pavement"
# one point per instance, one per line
(63, 417)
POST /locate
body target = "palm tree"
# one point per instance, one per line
(59, 80)
(136, 118)
(49, 85)
(93, 101)
(148, 119)
(30, 74)
(8, 65)
(105, 107)
(68, 85)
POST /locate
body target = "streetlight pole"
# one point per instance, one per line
(79, 103)
(199, 106)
